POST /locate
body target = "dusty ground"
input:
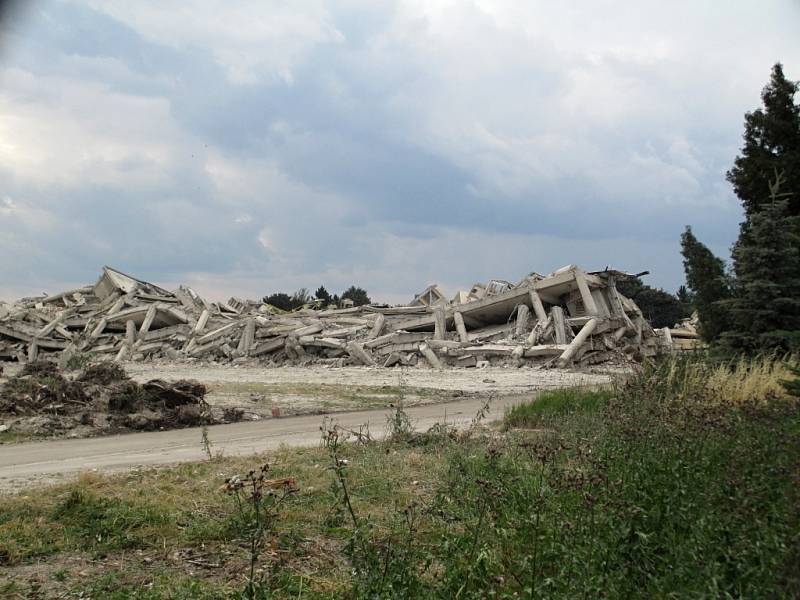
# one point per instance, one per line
(315, 390)
(301, 394)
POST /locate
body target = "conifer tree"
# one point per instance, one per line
(771, 142)
(765, 308)
(705, 277)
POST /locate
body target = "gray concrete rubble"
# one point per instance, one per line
(567, 318)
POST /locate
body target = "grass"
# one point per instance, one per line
(660, 487)
(561, 404)
(150, 516)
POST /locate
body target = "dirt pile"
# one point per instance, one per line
(43, 401)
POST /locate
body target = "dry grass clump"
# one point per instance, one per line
(746, 381)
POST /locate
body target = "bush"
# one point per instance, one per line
(659, 489)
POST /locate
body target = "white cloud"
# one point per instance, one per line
(248, 38)
(292, 169)
(62, 133)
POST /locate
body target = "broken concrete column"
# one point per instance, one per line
(123, 352)
(620, 333)
(99, 329)
(148, 319)
(130, 332)
(557, 313)
(518, 354)
(357, 351)
(522, 319)
(440, 323)
(248, 336)
(538, 307)
(117, 306)
(576, 344)
(460, 327)
(377, 327)
(539, 330)
(586, 294)
(430, 356)
(48, 329)
(201, 322)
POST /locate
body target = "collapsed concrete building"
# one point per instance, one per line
(567, 318)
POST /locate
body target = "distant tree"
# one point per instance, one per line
(765, 308)
(357, 295)
(706, 278)
(771, 143)
(661, 308)
(323, 295)
(279, 300)
(686, 298)
(335, 300)
(300, 298)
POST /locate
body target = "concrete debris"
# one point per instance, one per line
(684, 336)
(567, 318)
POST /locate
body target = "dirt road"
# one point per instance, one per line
(42, 462)
(352, 395)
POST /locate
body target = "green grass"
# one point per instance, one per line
(653, 489)
(555, 403)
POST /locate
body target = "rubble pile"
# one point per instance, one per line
(685, 335)
(567, 318)
(43, 400)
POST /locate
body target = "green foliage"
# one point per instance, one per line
(771, 142)
(302, 297)
(655, 492)
(758, 311)
(705, 277)
(286, 302)
(279, 300)
(79, 361)
(357, 295)
(765, 308)
(684, 296)
(323, 295)
(555, 403)
(661, 308)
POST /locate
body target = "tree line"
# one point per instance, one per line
(754, 307)
(321, 298)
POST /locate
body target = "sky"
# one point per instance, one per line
(245, 147)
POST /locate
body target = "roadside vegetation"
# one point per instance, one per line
(679, 482)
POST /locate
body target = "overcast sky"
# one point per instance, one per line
(246, 147)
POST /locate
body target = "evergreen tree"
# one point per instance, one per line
(686, 298)
(357, 295)
(279, 300)
(323, 295)
(771, 142)
(765, 309)
(661, 308)
(705, 277)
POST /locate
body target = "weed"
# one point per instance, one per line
(205, 443)
(398, 423)
(79, 361)
(258, 503)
